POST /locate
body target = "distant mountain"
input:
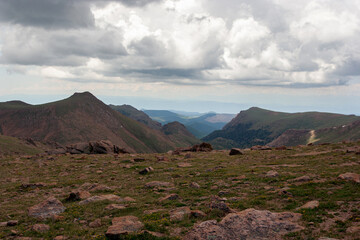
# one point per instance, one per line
(199, 126)
(80, 118)
(257, 126)
(137, 115)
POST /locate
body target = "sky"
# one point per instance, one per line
(190, 55)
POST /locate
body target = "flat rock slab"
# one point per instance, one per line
(41, 228)
(109, 197)
(310, 205)
(122, 226)
(46, 209)
(246, 225)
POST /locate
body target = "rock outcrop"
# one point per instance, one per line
(95, 147)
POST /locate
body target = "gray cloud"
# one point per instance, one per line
(47, 13)
(252, 42)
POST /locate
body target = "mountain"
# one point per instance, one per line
(80, 118)
(257, 126)
(199, 125)
(137, 115)
(293, 137)
(175, 131)
(179, 134)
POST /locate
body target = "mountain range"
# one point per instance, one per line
(84, 118)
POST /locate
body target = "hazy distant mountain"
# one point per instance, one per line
(81, 117)
(257, 126)
(199, 126)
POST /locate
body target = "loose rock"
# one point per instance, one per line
(173, 196)
(123, 225)
(146, 170)
(353, 177)
(310, 205)
(47, 208)
(248, 224)
(78, 195)
(96, 223)
(41, 228)
(236, 151)
(179, 214)
(271, 174)
(158, 184)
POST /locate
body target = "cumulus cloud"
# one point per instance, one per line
(252, 42)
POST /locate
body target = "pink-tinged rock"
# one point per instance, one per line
(123, 225)
(310, 205)
(78, 195)
(46, 209)
(115, 207)
(96, 223)
(109, 197)
(41, 228)
(173, 196)
(179, 214)
(272, 174)
(353, 177)
(247, 224)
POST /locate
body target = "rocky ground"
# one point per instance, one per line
(305, 192)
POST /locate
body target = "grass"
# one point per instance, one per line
(215, 172)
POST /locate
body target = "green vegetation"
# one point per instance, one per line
(240, 179)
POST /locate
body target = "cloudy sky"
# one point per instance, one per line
(196, 55)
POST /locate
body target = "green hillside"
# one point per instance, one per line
(11, 145)
(257, 126)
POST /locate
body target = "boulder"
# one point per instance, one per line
(353, 177)
(246, 225)
(310, 205)
(94, 147)
(96, 223)
(173, 196)
(122, 226)
(46, 209)
(236, 151)
(146, 170)
(78, 196)
(115, 207)
(179, 214)
(203, 147)
(184, 165)
(109, 197)
(217, 203)
(259, 147)
(271, 174)
(301, 179)
(41, 228)
(194, 185)
(197, 214)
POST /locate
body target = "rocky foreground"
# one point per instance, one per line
(305, 192)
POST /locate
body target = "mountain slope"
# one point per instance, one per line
(293, 137)
(81, 117)
(137, 115)
(257, 126)
(11, 145)
(178, 133)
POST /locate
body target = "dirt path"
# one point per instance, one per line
(312, 138)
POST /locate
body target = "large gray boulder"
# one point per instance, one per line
(248, 224)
